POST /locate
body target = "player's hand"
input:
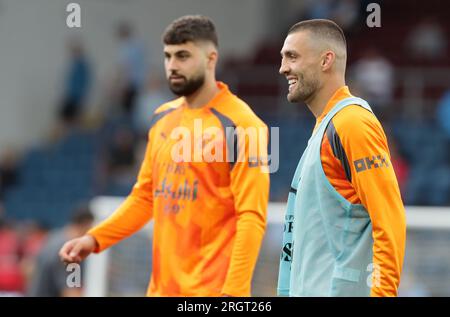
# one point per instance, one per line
(76, 250)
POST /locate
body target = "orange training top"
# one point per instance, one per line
(209, 217)
(356, 161)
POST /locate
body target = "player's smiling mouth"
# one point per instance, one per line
(292, 81)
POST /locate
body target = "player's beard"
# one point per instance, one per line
(188, 86)
(304, 89)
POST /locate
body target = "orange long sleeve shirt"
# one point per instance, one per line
(209, 216)
(356, 160)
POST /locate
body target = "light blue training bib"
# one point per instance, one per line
(327, 241)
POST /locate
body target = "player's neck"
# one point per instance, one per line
(320, 100)
(203, 95)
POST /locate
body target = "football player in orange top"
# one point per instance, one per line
(209, 215)
(359, 176)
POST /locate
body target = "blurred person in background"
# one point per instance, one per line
(49, 278)
(345, 229)
(427, 40)
(400, 165)
(9, 170)
(209, 216)
(155, 93)
(12, 281)
(132, 68)
(443, 113)
(119, 162)
(318, 9)
(33, 237)
(346, 13)
(373, 76)
(77, 82)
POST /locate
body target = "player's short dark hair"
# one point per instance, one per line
(323, 28)
(190, 28)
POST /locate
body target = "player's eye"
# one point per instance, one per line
(182, 56)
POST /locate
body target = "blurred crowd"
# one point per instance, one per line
(41, 186)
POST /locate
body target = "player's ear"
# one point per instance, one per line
(327, 60)
(213, 56)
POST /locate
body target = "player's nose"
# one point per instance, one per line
(283, 69)
(172, 66)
